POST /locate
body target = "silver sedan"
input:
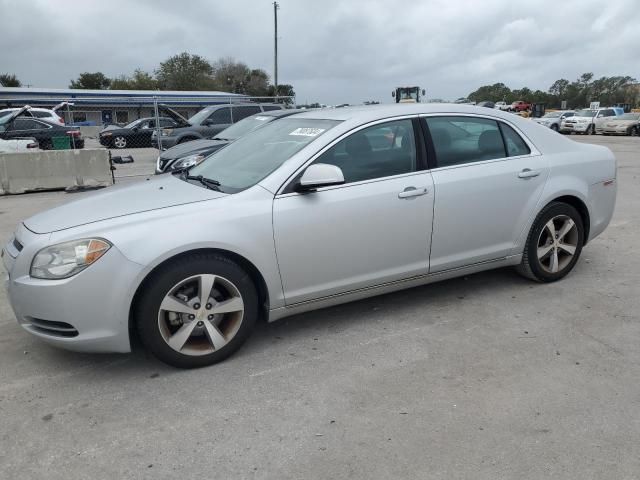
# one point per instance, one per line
(318, 209)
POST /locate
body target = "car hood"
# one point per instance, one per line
(192, 147)
(153, 194)
(110, 127)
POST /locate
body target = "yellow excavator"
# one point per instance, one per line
(408, 94)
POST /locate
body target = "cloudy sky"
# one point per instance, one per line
(331, 51)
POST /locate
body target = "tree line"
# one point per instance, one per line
(579, 93)
(182, 72)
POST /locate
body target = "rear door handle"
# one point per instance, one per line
(528, 173)
(412, 192)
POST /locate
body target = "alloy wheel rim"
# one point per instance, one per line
(120, 142)
(200, 314)
(557, 244)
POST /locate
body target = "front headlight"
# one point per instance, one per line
(188, 161)
(166, 132)
(106, 134)
(64, 260)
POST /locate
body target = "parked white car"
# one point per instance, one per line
(42, 113)
(316, 209)
(18, 145)
(587, 121)
(502, 106)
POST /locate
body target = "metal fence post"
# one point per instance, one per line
(157, 115)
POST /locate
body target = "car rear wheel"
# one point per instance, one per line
(197, 311)
(119, 142)
(554, 127)
(635, 131)
(554, 243)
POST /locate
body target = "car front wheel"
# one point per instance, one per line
(197, 310)
(119, 142)
(554, 243)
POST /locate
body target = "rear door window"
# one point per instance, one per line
(240, 113)
(461, 140)
(220, 116)
(515, 144)
(27, 124)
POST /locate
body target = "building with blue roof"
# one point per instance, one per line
(98, 107)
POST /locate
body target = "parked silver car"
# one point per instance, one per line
(554, 119)
(313, 210)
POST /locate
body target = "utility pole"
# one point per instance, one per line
(275, 45)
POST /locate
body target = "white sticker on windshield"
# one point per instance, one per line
(307, 132)
(262, 119)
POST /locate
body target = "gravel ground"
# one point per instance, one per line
(484, 377)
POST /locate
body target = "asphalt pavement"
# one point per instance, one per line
(488, 376)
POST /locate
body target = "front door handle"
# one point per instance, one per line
(528, 173)
(412, 192)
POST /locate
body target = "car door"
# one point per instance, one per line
(487, 181)
(603, 116)
(374, 228)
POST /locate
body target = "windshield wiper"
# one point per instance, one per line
(221, 139)
(210, 183)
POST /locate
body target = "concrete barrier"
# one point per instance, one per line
(54, 170)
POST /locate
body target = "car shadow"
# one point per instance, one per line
(349, 316)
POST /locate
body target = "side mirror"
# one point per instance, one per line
(393, 94)
(423, 92)
(320, 175)
(207, 122)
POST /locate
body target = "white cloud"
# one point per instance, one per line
(331, 51)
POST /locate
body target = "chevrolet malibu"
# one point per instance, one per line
(314, 210)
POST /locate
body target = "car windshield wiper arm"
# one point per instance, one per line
(207, 182)
(221, 139)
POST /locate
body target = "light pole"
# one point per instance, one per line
(275, 46)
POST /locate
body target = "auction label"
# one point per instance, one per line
(307, 132)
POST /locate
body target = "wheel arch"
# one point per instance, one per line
(255, 275)
(582, 209)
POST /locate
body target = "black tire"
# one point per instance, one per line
(187, 139)
(591, 130)
(147, 309)
(554, 127)
(635, 131)
(531, 267)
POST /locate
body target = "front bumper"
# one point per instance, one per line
(575, 127)
(88, 312)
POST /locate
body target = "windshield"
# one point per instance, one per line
(244, 126)
(133, 124)
(585, 113)
(199, 117)
(248, 160)
(408, 93)
(552, 115)
(629, 116)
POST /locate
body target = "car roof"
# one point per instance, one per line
(280, 113)
(366, 113)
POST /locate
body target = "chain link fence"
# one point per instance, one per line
(122, 122)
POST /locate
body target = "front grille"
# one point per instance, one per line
(18, 246)
(56, 329)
